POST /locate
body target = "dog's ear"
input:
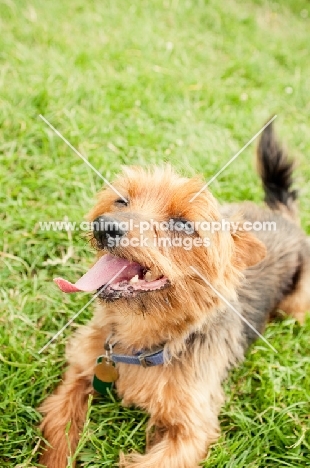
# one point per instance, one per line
(248, 250)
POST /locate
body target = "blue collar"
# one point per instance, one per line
(102, 383)
(140, 358)
(145, 359)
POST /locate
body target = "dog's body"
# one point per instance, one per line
(202, 337)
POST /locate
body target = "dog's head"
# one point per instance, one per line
(156, 247)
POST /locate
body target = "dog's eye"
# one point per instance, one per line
(181, 225)
(121, 202)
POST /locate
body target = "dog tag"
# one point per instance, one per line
(105, 375)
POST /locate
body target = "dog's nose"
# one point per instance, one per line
(107, 230)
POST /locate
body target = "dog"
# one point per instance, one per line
(170, 321)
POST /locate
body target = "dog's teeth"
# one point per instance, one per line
(135, 279)
(149, 276)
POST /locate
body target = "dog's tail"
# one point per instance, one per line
(276, 171)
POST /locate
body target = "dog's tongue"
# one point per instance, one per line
(101, 273)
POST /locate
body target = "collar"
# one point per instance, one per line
(140, 358)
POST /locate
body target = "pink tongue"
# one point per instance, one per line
(101, 273)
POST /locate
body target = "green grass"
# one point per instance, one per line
(187, 82)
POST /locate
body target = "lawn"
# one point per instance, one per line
(133, 82)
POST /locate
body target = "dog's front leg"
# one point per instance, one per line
(65, 410)
(184, 429)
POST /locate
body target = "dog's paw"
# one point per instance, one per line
(153, 460)
(136, 460)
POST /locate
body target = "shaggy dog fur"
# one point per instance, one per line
(257, 272)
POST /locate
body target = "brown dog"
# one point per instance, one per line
(161, 329)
